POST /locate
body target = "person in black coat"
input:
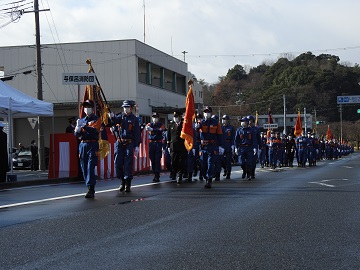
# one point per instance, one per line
(71, 127)
(4, 164)
(176, 147)
(34, 156)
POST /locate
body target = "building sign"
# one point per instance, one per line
(270, 126)
(79, 78)
(348, 99)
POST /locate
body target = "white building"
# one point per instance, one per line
(126, 69)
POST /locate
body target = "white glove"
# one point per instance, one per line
(111, 114)
(136, 151)
(233, 149)
(80, 122)
(197, 125)
(317, 151)
(221, 150)
(78, 129)
(168, 150)
(148, 128)
(255, 151)
(193, 151)
(236, 151)
(112, 129)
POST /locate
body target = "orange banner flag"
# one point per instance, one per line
(298, 126)
(328, 134)
(270, 121)
(187, 132)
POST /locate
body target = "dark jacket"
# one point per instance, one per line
(174, 141)
(4, 166)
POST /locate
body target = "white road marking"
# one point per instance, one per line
(323, 182)
(71, 196)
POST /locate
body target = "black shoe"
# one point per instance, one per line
(217, 178)
(243, 175)
(127, 189)
(228, 176)
(225, 173)
(156, 179)
(207, 185)
(91, 192)
(122, 186)
(90, 195)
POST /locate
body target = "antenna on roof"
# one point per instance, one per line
(144, 18)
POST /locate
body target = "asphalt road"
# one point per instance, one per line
(293, 218)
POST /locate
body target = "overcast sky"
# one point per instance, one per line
(216, 34)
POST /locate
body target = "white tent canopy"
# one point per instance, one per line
(16, 104)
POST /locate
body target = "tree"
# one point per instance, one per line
(237, 73)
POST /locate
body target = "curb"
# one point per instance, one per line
(38, 182)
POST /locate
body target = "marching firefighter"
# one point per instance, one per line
(211, 142)
(229, 148)
(87, 130)
(127, 131)
(245, 147)
(155, 130)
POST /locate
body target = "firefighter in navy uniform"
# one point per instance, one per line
(262, 150)
(301, 146)
(211, 142)
(127, 131)
(218, 158)
(257, 138)
(155, 130)
(87, 131)
(245, 147)
(176, 147)
(273, 145)
(197, 167)
(229, 148)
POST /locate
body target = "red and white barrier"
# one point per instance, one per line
(64, 160)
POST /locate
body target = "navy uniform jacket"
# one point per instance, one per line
(301, 142)
(228, 135)
(90, 132)
(244, 137)
(157, 133)
(273, 143)
(210, 132)
(128, 128)
(257, 136)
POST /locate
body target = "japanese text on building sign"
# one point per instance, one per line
(79, 78)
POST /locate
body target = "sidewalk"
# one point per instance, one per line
(29, 178)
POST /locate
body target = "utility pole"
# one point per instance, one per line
(284, 132)
(305, 120)
(184, 55)
(39, 87)
(341, 124)
(315, 121)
